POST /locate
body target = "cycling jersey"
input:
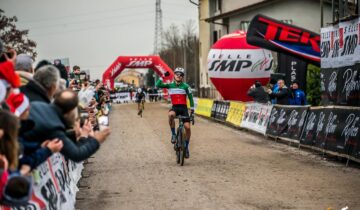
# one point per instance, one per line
(178, 93)
(139, 97)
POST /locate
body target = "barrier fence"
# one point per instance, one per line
(55, 185)
(332, 129)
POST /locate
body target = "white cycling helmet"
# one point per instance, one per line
(139, 90)
(179, 70)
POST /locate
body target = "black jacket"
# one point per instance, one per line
(259, 94)
(281, 96)
(50, 124)
(62, 70)
(35, 92)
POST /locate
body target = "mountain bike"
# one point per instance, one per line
(180, 145)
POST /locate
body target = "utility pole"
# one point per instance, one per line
(158, 28)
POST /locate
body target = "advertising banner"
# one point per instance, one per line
(121, 97)
(341, 86)
(235, 113)
(204, 107)
(275, 35)
(293, 68)
(220, 110)
(256, 117)
(287, 121)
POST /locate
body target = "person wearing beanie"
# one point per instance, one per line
(24, 69)
(258, 92)
(63, 114)
(297, 96)
(19, 105)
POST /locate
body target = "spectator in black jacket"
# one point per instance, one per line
(62, 69)
(44, 84)
(52, 121)
(281, 95)
(258, 93)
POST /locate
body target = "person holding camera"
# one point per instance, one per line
(297, 96)
(281, 95)
(258, 92)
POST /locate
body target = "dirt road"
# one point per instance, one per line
(228, 169)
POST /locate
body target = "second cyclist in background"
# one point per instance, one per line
(140, 99)
(178, 91)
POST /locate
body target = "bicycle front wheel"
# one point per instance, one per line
(182, 147)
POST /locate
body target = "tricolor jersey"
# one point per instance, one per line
(178, 93)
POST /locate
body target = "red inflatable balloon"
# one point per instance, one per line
(234, 66)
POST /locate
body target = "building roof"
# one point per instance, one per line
(239, 10)
(245, 9)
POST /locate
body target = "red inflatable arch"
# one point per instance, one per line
(122, 62)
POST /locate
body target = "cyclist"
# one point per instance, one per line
(139, 98)
(178, 90)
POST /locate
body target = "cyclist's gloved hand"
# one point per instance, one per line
(167, 74)
(192, 112)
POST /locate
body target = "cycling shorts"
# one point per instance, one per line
(181, 110)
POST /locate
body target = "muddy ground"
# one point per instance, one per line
(228, 169)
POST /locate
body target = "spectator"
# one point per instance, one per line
(297, 96)
(23, 67)
(258, 93)
(281, 95)
(44, 85)
(9, 146)
(41, 64)
(52, 121)
(62, 69)
(30, 157)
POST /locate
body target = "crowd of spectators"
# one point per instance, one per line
(44, 110)
(278, 93)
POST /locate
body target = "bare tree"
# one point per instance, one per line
(15, 38)
(181, 48)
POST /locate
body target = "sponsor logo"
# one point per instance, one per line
(351, 82)
(229, 65)
(351, 129)
(115, 69)
(280, 32)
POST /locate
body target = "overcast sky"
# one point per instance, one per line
(93, 33)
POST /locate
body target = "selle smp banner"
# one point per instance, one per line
(275, 35)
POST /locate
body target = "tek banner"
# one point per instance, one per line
(53, 185)
(256, 117)
(293, 69)
(235, 113)
(287, 121)
(334, 129)
(341, 86)
(220, 110)
(204, 107)
(275, 35)
(121, 97)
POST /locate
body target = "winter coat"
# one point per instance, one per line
(50, 124)
(297, 97)
(281, 96)
(259, 94)
(35, 92)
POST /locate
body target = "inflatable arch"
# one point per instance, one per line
(122, 62)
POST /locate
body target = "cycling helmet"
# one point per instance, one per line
(139, 90)
(179, 70)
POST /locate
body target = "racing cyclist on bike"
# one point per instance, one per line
(178, 90)
(139, 98)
